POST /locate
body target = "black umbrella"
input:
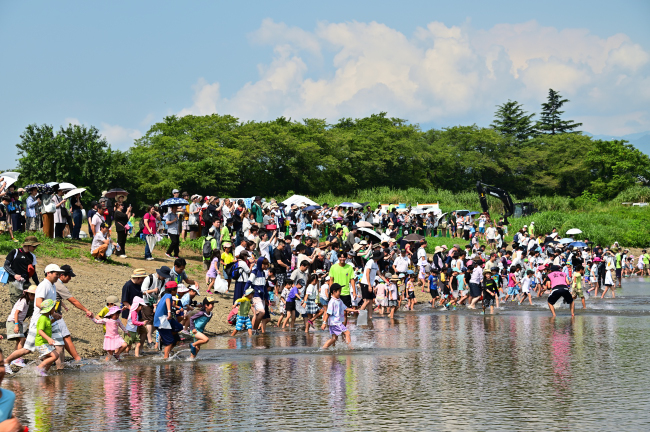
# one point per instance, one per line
(115, 192)
(413, 237)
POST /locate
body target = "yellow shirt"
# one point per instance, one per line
(102, 313)
(227, 258)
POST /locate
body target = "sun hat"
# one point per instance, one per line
(113, 310)
(470, 262)
(227, 244)
(31, 289)
(195, 289)
(175, 191)
(363, 243)
(182, 289)
(597, 259)
(444, 247)
(112, 299)
(377, 255)
(47, 306)
(52, 268)
(393, 240)
(356, 247)
(455, 269)
(139, 273)
(250, 291)
(486, 271)
(171, 285)
(164, 272)
(137, 301)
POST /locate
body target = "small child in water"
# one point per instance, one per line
(335, 317)
(44, 342)
(243, 320)
(113, 342)
(198, 321)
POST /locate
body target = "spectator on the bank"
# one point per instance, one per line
(32, 212)
(77, 215)
(20, 264)
(101, 242)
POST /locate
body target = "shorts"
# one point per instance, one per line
(392, 303)
(488, 300)
(290, 306)
(560, 291)
(59, 331)
(186, 225)
(475, 289)
(258, 305)
(382, 301)
(170, 336)
(366, 293)
(147, 314)
(513, 291)
(434, 293)
(347, 300)
(338, 329)
(323, 302)
(10, 331)
(243, 323)
(131, 338)
(578, 292)
(491, 241)
(44, 350)
(194, 228)
(411, 295)
(618, 273)
(481, 230)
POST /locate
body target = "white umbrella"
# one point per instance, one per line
(566, 240)
(574, 231)
(73, 192)
(417, 211)
(11, 174)
(66, 186)
(8, 181)
(364, 224)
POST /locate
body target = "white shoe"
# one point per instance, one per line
(149, 259)
(122, 256)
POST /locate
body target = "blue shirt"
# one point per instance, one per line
(292, 294)
(334, 257)
(6, 404)
(30, 211)
(433, 283)
(185, 300)
(161, 309)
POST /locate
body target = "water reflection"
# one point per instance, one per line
(452, 371)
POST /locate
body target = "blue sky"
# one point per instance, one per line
(122, 66)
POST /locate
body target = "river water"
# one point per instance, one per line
(427, 370)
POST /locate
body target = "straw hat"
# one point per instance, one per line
(31, 289)
(139, 273)
(31, 241)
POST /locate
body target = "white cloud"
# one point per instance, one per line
(118, 136)
(71, 120)
(440, 75)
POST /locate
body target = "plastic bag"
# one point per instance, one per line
(220, 285)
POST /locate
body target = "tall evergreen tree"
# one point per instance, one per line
(512, 121)
(550, 121)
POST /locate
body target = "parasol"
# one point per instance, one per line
(174, 202)
(350, 204)
(115, 192)
(73, 192)
(574, 231)
(66, 186)
(370, 232)
(566, 240)
(578, 244)
(40, 187)
(311, 208)
(413, 237)
(364, 224)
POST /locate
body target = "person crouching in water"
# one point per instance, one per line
(558, 283)
(198, 321)
(335, 317)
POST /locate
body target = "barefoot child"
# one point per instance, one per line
(44, 342)
(243, 320)
(15, 329)
(291, 302)
(525, 287)
(213, 270)
(393, 295)
(334, 317)
(490, 291)
(113, 342)
(198, 321)
(410, 291)
(576, 285)
(309, 301)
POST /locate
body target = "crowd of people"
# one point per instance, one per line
(297, 261)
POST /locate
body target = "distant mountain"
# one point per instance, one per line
(639, 140)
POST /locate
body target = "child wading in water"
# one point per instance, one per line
(198, 321)
(335, 317)
(243, 320)
(113, 342)
(136, 330)
(15, 323)
(44, 342)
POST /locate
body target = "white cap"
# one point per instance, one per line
(53, 268)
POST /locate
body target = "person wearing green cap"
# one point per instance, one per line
(44, 342)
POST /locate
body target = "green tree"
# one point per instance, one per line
(512, 121)
(615, 166)
(550, 121)
(75, 154)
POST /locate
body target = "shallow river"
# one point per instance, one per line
(428, 370)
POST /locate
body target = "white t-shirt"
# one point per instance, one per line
(335, 311)
(401, 264)
(312, 290)
(239, 249)
(45, 290)
(372, 266)
(97, 221)
(225, 211)
(489, 232)
(264, 249)
(324, 291)
(421, 253)
(98, 240)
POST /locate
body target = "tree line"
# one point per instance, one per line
(219, 155)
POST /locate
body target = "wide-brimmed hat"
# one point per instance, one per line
(139, 273)
(112, 299)
(377, 255)
(227, 244)
(438, 249)
(31, 241)
(356, 247)
(31, 289)
(195, 288)
(47, 306)
(249, 291)
(182, 289)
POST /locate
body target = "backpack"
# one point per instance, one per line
(233, 271)
(232, 316)
(207, 247)
(516, 238)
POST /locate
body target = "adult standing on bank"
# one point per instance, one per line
(48, 207)
(32, 211)
(121, 218)
(20, 264)
(65, 340)
(256, 210)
